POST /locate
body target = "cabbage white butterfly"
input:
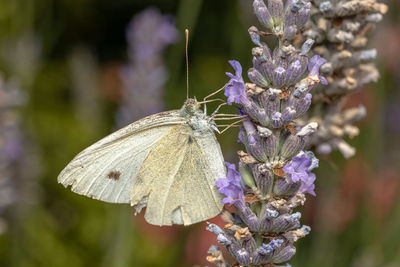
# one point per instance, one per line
(168, 162)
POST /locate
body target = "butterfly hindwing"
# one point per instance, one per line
(163, 182)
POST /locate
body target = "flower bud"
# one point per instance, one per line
(294, 71)
(262, 13)
(242, 256)
(247, 176)
(286, 223)
(213, 228)
(270, 101)
(276, 120)
(247, 215)
(266, 220)
(284, 254)
(292, 146)
(288, 115)
(303, 105)
(279, 76)
(255, 38)
(264, 178)
(290, 32)
(303, 15)
(285, 188)
(265, 251)
(275, 8)
(306, 46)
(256, 77)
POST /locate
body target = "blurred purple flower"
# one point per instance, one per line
(148, 34)
(299, 170)
(313, 67)
(235, 87)
(230, 186)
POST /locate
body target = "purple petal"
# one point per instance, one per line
(308, 186)
(235, 87)
(314, 64)
(323, 80)
(230, 186)
(237, 67)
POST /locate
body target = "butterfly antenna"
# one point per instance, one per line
(187, 62)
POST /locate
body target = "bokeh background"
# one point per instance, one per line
(62, 64)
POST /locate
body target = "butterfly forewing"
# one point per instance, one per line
(107, 169)
(177, 179)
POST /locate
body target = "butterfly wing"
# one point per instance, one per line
(106, 170)
(177, 179)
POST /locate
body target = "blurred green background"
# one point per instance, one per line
(355, 217)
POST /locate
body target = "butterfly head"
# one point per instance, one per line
(197, 119)
(191, 107)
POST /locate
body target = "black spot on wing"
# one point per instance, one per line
(114, 175)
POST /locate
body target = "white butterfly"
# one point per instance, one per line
(167, 162)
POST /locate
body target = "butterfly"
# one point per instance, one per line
(167, 162)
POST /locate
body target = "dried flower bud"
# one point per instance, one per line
(215, 229)
(307, 47)
(308, 129)
(255, 37)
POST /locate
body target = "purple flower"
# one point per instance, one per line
(230, 186)
(308, 186)
(148, 35)
(149, 32)
(313, 67)
(235, 87)
(299, 170)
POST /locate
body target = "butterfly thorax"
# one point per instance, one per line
(196, 118)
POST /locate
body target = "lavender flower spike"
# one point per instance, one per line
(230, 186)
(143, 94)
(264, 225)
(235, 87)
